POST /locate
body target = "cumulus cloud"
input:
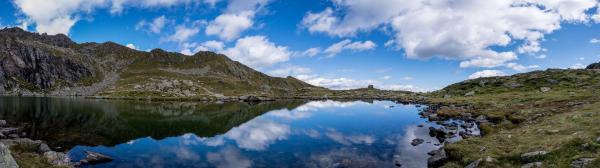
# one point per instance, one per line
(130, 46)
(484, 24)
(257, 52)
(230, 26)
(183, 33)
(155, 26)
(238, 17)
(58, 16)
(212, 45)
(337, 48)
(519, 67)
(487, 73)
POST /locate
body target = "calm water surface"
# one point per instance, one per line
(236, 135)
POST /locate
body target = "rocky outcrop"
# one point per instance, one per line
(6, 159)
(593, 66)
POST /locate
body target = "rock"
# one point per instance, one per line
(2, 123)
(533, 156)
(24, 143)
(471, 93)
(8, 131)
(490, 159)
(474, 164)
(57, 158)
(43, 148)
(598, 139)
(582, 162)
(593, 66)
(437, 133)
(514, 85)
(6, 159)
(545, 89)
(417, 141)
(532, 165)
(438, 159)
(95, 158)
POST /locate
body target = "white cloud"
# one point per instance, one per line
(130, 46)
(581, 58)
(257, 134)
(486, 73)
(337, 48)
(519, 67)
(484, 24)
(155, 26)
(594, 41)
(407, 78)
(212, 45)
(183, 33)
(257, 52)
(386, 77)
(290, 70)
(58, 16)
(577, 66)
(237, 18)
(230, 26)
(311, 52)
(542, 56)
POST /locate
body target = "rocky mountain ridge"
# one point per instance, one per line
(53, 65)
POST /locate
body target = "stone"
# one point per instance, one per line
(533, 156)
(6, 158)
(438, 159)
(544, 89)
(43, 148)
(57, 158)
(2, 123)
(417, 141)
(92, 158)
(474, 164)
(514, 85)
(471, 93)
(24, 143)
(582, 162)
(532, 165)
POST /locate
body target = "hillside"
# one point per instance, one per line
(553, 113)
(39, 64)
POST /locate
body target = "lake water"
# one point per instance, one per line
(237, 135)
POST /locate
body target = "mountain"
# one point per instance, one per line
(54, 65)
(593, 66)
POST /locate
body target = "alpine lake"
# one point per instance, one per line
(323, 133)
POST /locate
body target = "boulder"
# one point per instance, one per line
(532, 165)
(92, 158)
(474, 164)
(438, 159)
(545, 89)
(533, 156)
(582, 162)
(471, 93)
(58, 158)
(24, 143)
(2, 123)
(6, 159)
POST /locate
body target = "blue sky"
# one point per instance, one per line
(394, 44)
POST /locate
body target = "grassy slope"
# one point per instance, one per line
(524, 119)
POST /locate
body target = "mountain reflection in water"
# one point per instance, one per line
(235, 134)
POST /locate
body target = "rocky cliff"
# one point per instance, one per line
(39, 64)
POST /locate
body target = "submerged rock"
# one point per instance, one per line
(417, 141)
(95, 158)
(6, 159)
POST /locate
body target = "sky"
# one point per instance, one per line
(416, 45)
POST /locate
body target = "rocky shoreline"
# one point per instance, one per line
(14, 142)
(453, 129)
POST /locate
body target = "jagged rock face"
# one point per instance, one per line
(22, 62)
(593, 66)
